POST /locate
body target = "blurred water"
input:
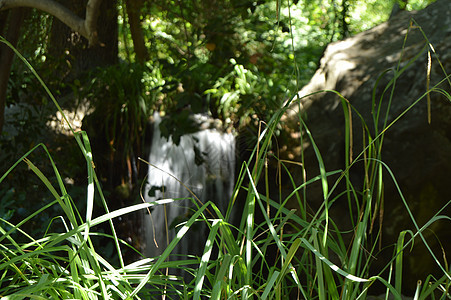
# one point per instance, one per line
(204, 162)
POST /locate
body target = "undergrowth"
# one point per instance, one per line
(67, 265)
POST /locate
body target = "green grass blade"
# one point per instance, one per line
(205, 259)
(319, 268)
(169, 249)
(332, 265)
(270, 284)
(220, 279)
(399, 262)
(90, 189)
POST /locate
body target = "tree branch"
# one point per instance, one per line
(86, 28)
(133, 8)
(92, 13)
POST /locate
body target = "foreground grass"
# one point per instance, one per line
(234, 264)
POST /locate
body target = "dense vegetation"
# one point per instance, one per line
(237, 61)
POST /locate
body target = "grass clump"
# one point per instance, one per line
(288, 254)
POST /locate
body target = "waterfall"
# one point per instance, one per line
(204, 162)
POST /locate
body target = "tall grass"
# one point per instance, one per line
(289, 254)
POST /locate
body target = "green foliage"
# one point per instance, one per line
(192, 45)
(200, 46)
(208, 51)
(120, 96)
(326, 16)
(288, 253)
(25, 128)
(239, 94)
(34, 39)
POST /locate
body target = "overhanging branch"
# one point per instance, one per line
(85, 27)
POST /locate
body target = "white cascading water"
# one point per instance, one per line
(211, 180)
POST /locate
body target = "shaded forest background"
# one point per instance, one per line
(236, 61)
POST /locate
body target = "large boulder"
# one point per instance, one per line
(418, 153)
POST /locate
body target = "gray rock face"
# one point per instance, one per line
(418, 153)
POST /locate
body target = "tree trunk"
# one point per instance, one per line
(134, 15)
(344, 17)
(69, 47)
(81, 16)
(14, 18)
